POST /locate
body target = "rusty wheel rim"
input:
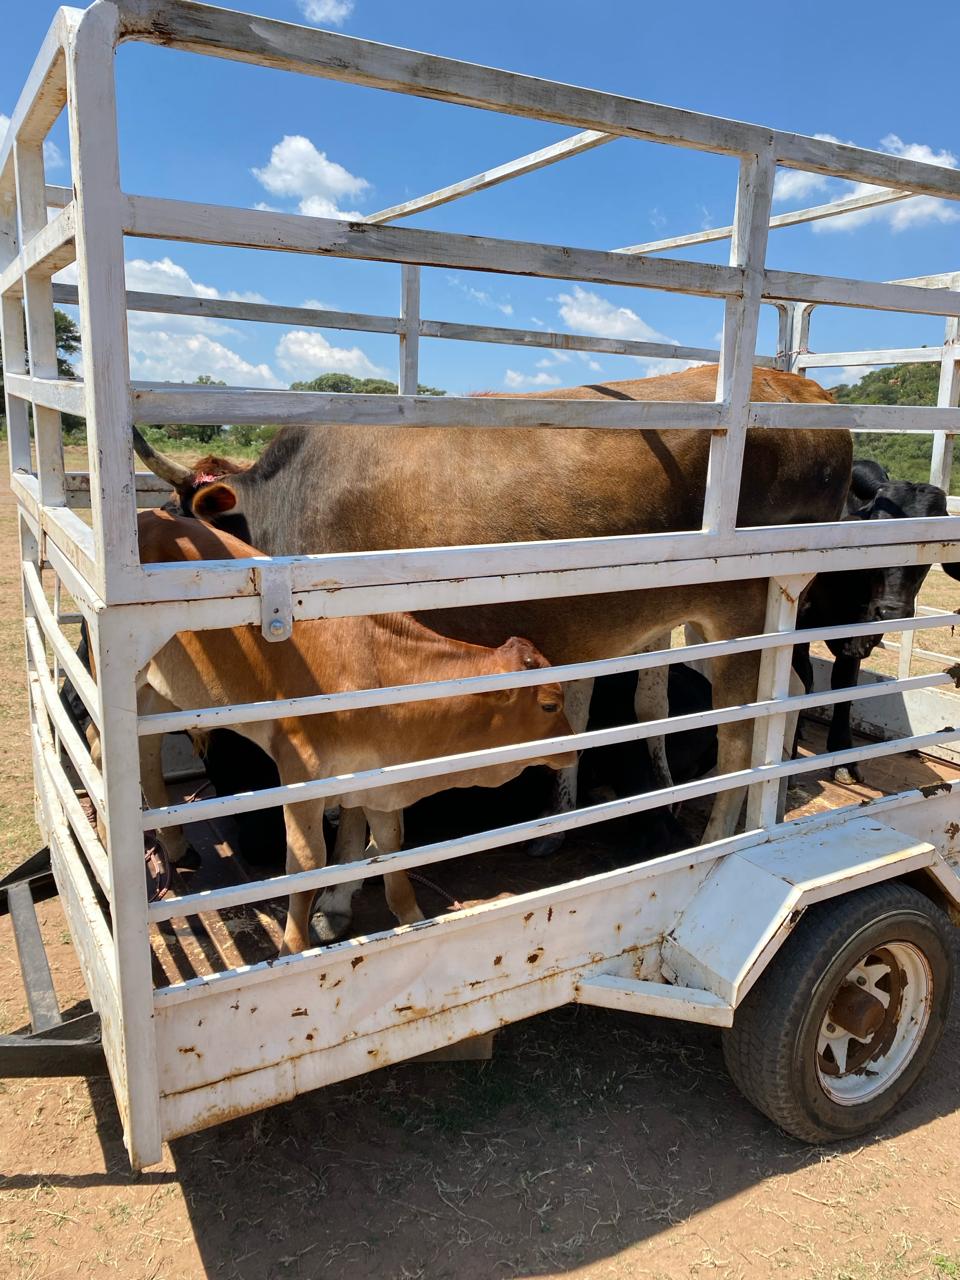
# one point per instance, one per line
(874, 1024)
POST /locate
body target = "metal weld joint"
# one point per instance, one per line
(274, 582)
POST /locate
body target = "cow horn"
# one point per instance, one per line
(173, 472)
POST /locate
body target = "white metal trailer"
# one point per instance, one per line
(830, 1013)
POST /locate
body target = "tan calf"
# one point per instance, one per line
(237, 665)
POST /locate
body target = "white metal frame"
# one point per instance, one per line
(165, 1047)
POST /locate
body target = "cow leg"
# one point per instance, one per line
(333, 913)
(803, 669)
(152, 782)
(845, 673)
(735, 679)
(306, 850)
(576, 706)
(651, 702)
(387, 832)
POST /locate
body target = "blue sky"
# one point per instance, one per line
(209, 130)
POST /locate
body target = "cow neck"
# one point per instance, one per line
(428, 655)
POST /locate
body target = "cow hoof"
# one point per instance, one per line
(545, 846)
(329, 926)
(847, 774)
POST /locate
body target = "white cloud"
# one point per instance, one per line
(657, 220)
(481, 296)
(157, 355)
(178, 348)
(52, 157)
(515, 380)
(306, 355)
(323, 12)
(587, 312)
(296, 169)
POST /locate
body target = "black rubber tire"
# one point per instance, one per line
(771, 1049)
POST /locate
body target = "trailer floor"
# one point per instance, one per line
(214, 941)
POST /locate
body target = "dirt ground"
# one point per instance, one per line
(593, 1145)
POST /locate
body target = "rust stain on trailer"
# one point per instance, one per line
(354, 962)
(549, 914)
(190, 1048)
(534, 956)
(498, 960)
(528, 917)
(933, 788)
(299, 1013)
(952, 830)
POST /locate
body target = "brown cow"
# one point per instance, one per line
(238, 665)
(343, 488)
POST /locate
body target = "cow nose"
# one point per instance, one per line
(886, 612)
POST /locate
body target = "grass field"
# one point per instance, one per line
(592, 1146)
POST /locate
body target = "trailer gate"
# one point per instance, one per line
(340, 1010)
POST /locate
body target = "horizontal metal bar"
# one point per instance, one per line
(52, 248)
(796, 286)
(534, 160)
(69, 542)
(230, 309)
(52, 774)
(856, 417)
(150, 217)
(851, 359)
(657, 999)
(174, 402)
(266, 42)
(391, 775)
(47, 700)
(34, 966)
(57, 197)
(441, 851)
(571, 342)
(77, 673)
(814, 213)
(73, 1048)
(65, 394)
(352, 700)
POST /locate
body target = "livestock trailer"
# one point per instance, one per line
(821, 945)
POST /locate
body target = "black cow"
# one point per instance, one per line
(865, 595)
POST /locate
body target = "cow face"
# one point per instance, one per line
(893, 592)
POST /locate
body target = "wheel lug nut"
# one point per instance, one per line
(861, 981)
(830, 1028)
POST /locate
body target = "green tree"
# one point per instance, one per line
(68, 345)
(367, 386)
(907, 456)
(189, 430)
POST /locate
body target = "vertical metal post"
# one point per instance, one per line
(797, 336)
(41, 328)
(948, 397)
(409, 330)
(99, 241)
(741, 316)
(102, 289)
(12, 330)
(774, 683)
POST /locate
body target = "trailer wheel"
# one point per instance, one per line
(847, 1015)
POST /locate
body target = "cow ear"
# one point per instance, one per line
(213, 500)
